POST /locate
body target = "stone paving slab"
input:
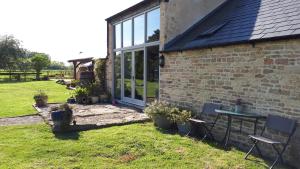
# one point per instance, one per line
(23, 120)
(98, 116)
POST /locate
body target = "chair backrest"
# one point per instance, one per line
(281, 124)
(209, 108)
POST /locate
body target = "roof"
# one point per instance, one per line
(83, 60)
(132, 8)
(240, 21)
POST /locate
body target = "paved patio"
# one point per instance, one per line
(89, 117)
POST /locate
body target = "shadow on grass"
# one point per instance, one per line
(67, 135)
(264, 162)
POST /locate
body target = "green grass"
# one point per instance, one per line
(132, 146)
(16, 99)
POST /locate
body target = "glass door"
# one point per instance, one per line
(134, 81)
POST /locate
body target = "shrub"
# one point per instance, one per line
(183, 116)
(74, 83)
(80, 92)
(156, 109)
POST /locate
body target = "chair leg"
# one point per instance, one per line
(279, 154)
(251, 149)
(256, 147)
(207, 133)
(275, 162)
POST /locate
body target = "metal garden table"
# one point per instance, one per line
(231, 114)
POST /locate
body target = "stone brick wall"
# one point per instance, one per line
(265, 76)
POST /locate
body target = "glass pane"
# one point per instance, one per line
(117, 71)
(152, 73)
(153, 25)
(118, 36)
(139, 75)
(139, 30)
(127, 33)
(127, 74)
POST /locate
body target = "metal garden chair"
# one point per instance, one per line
(279, 124)
(208, 109)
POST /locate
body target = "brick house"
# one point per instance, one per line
(214, 51)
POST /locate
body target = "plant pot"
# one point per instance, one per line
(82, 100)
(60, 119)
(184, 128)
(71, 101)
(163, 122)
(104, 98)
(95, 99)
(41, 103)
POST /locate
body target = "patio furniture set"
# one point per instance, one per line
(275, 123)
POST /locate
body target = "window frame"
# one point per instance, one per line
(145, 44)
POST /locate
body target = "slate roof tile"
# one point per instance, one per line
(249, 20)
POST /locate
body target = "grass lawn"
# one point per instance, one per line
(17, 98)
(132, 146)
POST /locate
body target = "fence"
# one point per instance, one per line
(29, 76)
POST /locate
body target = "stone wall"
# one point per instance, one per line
(175, 19)
(266, 76)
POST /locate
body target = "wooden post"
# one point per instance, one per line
(74, 64)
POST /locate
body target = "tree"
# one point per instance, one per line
(24, 64)
(10, 51)
(39, 62)
(55, 65)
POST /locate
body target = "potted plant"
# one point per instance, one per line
(61, 116)
(161, 114)
(41, 99)
(81, 95)
(94, 90)
(182, 121)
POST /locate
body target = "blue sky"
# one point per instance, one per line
(61, 28)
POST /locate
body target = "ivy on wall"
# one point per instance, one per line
(100, 73)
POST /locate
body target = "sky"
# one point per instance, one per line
(60, 28)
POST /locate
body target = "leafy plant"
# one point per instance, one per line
(74, 83)
(156, 109)
(40, 95)
(81, 92)
(94, 89)
(40, 98)
(183, 116)
(63, 107)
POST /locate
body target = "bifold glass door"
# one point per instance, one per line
(133, 77)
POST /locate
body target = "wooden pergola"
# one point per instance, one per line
(78, 62)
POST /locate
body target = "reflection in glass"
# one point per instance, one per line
(139, 30)
(117, 74)
(127, 74)
(118, 36)
(139, 75)
(152, 73)
(127, 33)
(153, 25)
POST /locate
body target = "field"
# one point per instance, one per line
(132, 146)
(16, 99)
(53, 74)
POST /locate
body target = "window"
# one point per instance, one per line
(127, 33)
(139, 30)
(153, 25)
(118, 36)
(152, 73)
(117, 74)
